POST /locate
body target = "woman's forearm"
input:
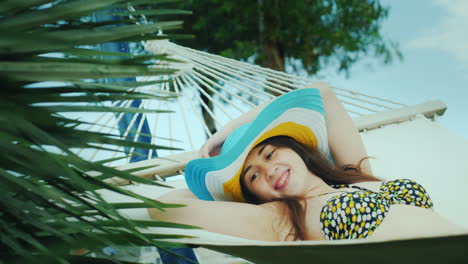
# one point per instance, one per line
(344, 140)
(214, 144)
(178, 194)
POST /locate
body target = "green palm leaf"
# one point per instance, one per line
(50, 203)
(67, 10)
(66, 71)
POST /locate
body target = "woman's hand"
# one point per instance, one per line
(213, 145)
(322, 86)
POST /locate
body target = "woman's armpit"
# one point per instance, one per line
(280, 221)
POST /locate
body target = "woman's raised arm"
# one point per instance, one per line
(259, 222)
(212, 146)
(344, 140)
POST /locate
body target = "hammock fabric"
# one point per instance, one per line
(446, 249)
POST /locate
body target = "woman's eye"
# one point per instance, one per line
(253, 177)
(269, 155)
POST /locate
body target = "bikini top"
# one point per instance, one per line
(358, 214)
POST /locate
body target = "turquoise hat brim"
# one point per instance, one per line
(219, 167)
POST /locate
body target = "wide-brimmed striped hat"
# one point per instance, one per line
(298, 114)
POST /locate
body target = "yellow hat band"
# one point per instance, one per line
(298, 132)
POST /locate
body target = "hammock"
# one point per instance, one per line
(446, 249)
(231, 88)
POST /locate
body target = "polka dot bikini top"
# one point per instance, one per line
(358, 214)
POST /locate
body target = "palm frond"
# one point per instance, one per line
(50, 203)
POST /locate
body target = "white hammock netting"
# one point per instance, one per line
(231, 88)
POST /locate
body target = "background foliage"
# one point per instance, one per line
(48, 202)
(310, 34)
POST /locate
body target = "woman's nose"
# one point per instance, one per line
(271, 172)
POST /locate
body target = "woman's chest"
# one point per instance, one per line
(347, 214)
(357, 212)
(314, 210)
(312, 222)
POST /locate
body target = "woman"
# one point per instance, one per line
(297, 170)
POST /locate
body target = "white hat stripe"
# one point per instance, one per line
(314, 120)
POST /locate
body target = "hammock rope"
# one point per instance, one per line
(232, 87)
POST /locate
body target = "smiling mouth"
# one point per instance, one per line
(283, 180)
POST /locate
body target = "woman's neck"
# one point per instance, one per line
(319, 187)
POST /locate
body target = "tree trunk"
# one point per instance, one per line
(271, 52)
(273, 55)
(273, 58)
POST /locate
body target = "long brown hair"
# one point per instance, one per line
(319, 166)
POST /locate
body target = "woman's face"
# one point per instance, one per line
(272, 172)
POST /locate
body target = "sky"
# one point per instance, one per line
(433, 38)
